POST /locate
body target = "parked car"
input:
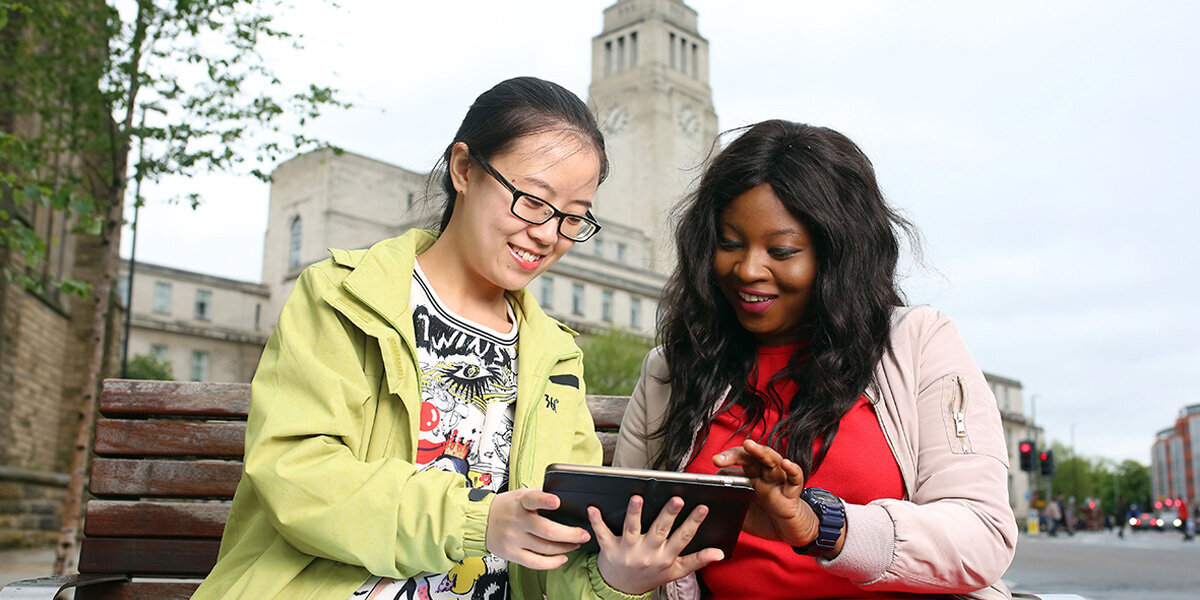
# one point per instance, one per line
(1147, 520)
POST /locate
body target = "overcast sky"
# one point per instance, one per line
(1047, 151)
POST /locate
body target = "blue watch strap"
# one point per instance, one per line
(831, 515)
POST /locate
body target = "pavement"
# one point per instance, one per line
(25, 564)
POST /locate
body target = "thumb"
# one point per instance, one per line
(535, 499)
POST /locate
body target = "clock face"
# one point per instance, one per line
(616, 121)
(688, 121)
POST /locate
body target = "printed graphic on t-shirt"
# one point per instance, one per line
(468, 394)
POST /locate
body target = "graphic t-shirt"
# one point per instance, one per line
(468, 397)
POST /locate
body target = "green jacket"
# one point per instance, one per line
(329, 493)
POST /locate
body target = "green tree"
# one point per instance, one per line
(77, 78)
(612, 361)
(149, 366)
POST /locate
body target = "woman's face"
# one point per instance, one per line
(765, 263)
(500, 248)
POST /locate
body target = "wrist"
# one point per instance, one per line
(830, 523)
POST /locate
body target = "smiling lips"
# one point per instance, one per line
(753, 302)
(525, 259)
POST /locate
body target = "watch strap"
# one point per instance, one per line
(831, 516)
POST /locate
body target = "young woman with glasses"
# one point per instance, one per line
(412, 395)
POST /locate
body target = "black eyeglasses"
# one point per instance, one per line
(535, 211)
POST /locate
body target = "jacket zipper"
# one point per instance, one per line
(958, 407)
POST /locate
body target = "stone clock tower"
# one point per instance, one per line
(650, 91)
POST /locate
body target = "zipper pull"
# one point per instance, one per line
(960, 424)
(960, 415)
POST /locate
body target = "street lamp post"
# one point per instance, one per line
(137, 203)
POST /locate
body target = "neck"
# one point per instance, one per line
(460, 287)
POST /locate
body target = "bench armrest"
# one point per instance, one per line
(46, 588)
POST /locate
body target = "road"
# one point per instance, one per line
(1147, 565)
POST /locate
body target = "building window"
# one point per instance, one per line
(606, 302)
(159, 351)
(633, 49)
(294, 245)
(257, 316)
(671, 45)
(203, 305)
(123, 290)
(199, 365)
(635, 312)
(547, 295)
(598, 247)
(621, 251)
(162, 297)
(411, 199)
(577, 298)
(608, 58)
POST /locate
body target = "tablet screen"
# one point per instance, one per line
(609, 489)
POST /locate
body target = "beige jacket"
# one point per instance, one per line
(954, 532)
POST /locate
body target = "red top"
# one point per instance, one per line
(858, 468)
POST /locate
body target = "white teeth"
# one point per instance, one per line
(526, 256)
(750, 298)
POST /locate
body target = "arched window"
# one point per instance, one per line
(294, 245)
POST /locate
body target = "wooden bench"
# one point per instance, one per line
(167, 461)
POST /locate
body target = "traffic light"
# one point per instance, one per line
(1026, 448)
(1047, 460)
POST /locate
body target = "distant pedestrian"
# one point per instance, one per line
(1123, 514)
(1054, 515)
(1185, 524)
(1068, 512)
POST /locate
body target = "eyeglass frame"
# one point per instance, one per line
(517, 194)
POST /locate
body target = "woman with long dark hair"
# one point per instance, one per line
(400, 422)
(873, 441)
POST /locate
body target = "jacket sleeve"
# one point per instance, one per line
(634, 449)
(956, 533)
(306, 455)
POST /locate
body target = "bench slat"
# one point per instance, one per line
(138, 590)
(607, 411)
(133, 397)
(124, 437)
(141, 557)
(122, 477)
(162, 519)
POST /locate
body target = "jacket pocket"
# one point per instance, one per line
(955, 399)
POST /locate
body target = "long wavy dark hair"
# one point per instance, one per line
(828, 184)
(510, 110)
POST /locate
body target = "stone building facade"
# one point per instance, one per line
(1010, 399)
(208, 328)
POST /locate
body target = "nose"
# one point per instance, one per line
(751, 267)
(546, 233)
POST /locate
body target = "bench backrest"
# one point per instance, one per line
(168, 459)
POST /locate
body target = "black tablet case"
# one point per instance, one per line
(727, 505)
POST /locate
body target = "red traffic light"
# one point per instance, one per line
(1158, 505)
(1043, 456)
(1091, 504)
(1026, 446)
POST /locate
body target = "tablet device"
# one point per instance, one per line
(609, 489)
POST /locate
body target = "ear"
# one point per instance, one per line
(460, 167)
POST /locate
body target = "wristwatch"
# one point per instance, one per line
(832, 516)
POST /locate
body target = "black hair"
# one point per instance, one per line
(826, 182)
(513, 109)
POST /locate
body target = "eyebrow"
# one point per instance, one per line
(787, 231)
(544, 185)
